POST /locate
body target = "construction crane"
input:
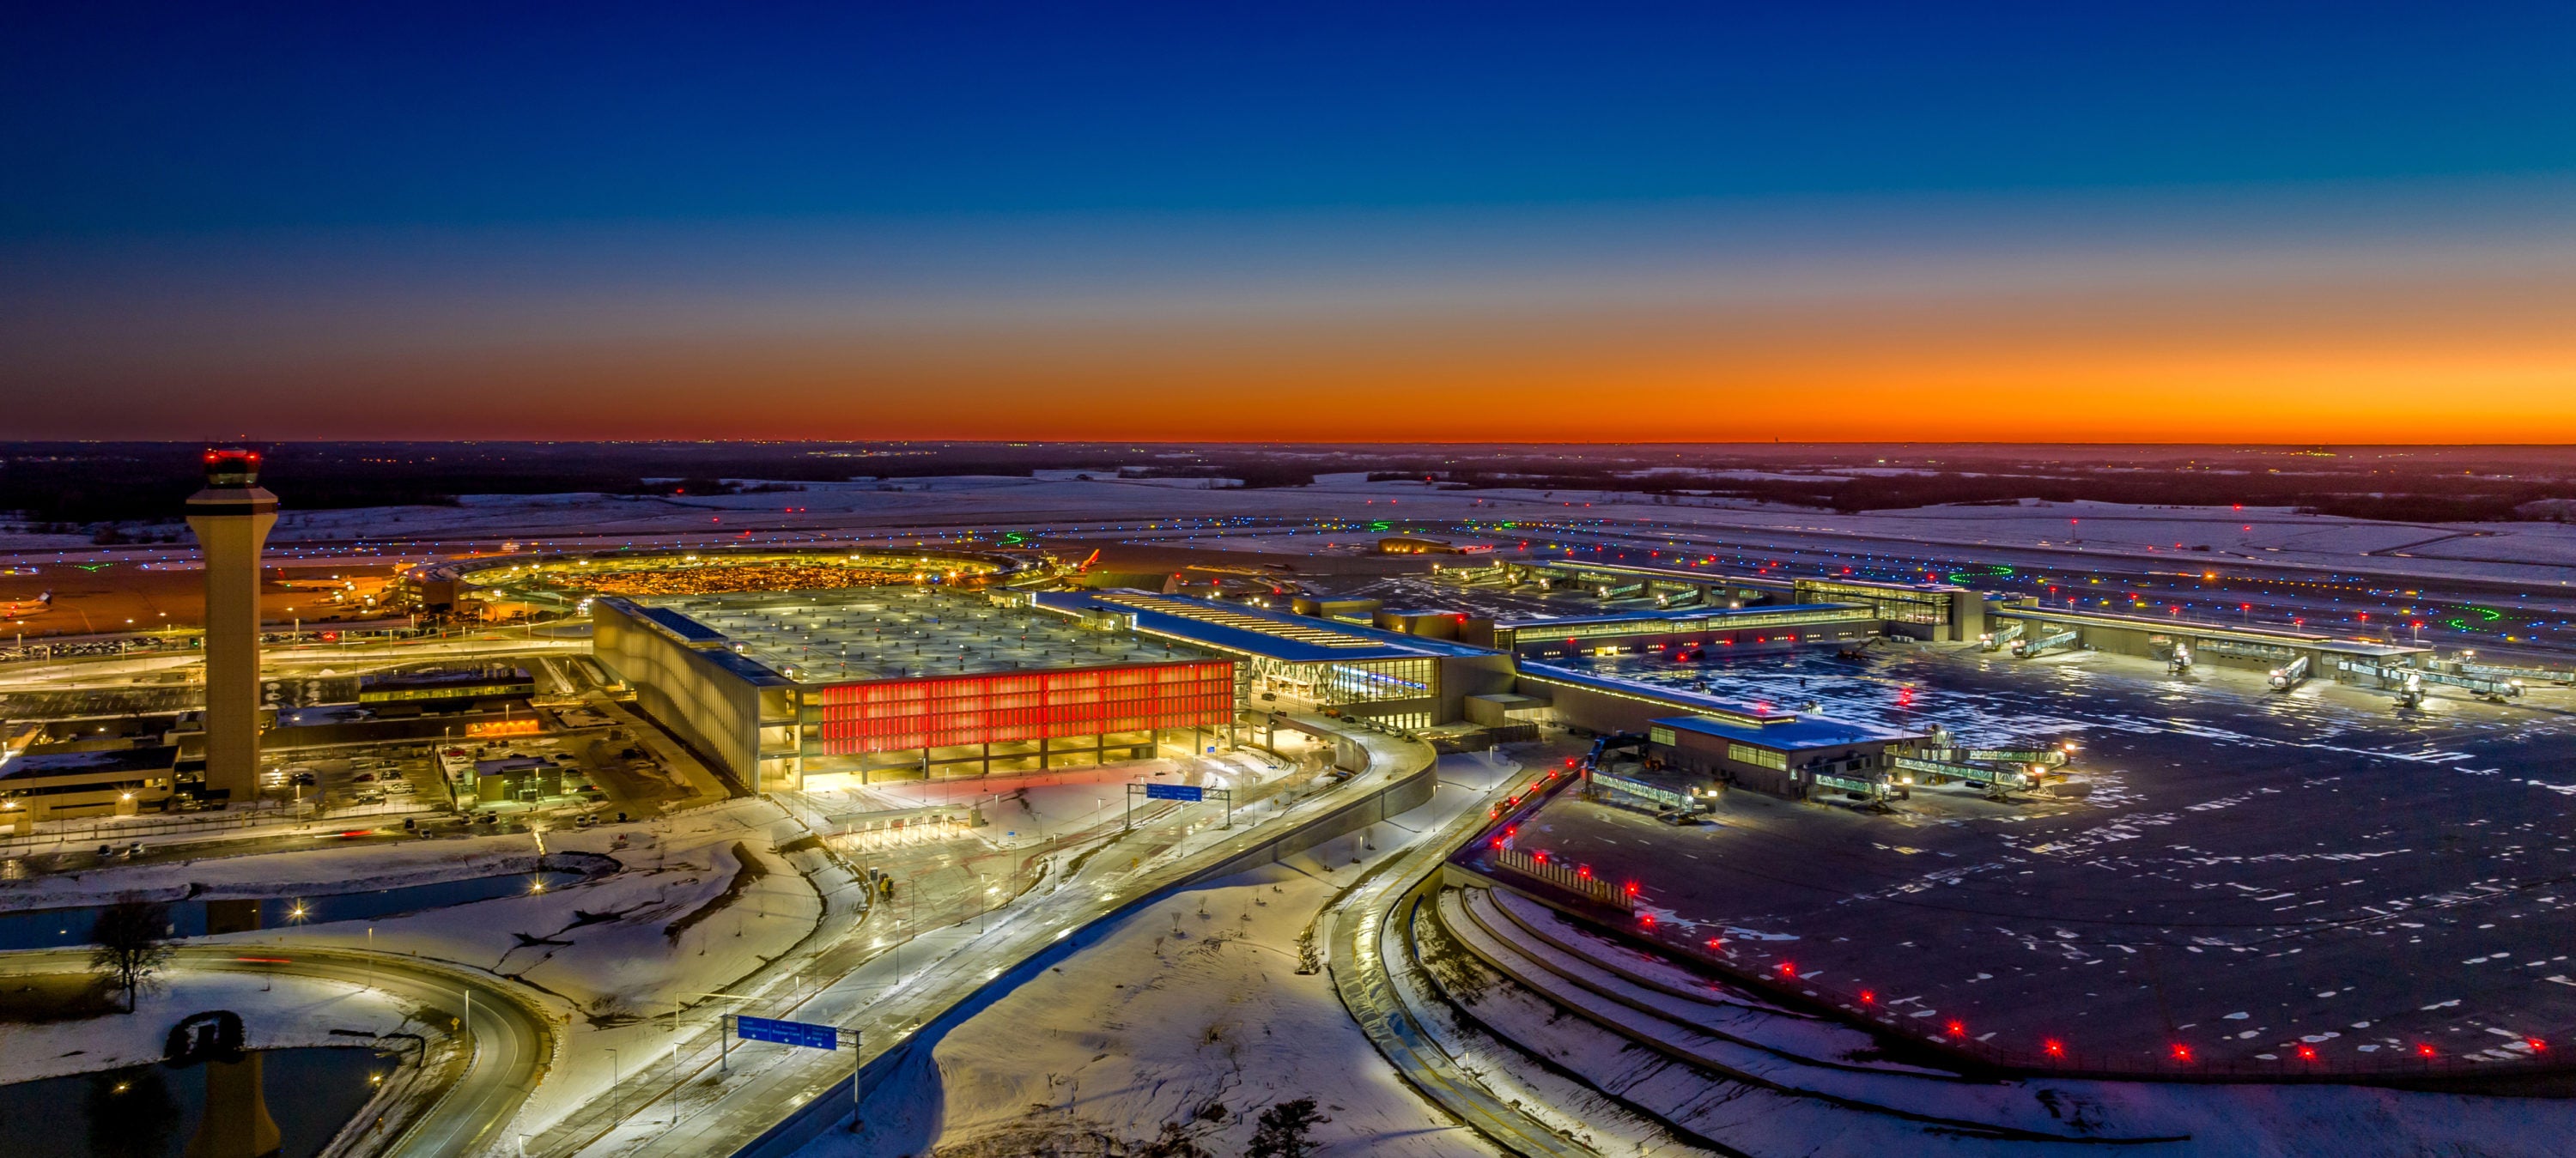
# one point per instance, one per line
(1996, 640)
(2031, 648)
(2290, 675)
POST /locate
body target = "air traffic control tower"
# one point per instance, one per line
(232, 517)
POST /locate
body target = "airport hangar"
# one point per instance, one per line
(886, 683)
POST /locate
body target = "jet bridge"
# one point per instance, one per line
(2054, 637)
(2409, 682)
(2001, 638)
(2290, 675)
(1683, 597)
(1996, 779)
(1619, 591)
(2509, 674)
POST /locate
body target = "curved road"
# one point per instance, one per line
(1360, 942)
(510, 1040)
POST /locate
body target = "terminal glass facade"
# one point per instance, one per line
(1368, 681)
(1894, 604)
(898, 715)
(1686, 624)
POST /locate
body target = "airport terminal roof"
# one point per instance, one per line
(1790, 735)
(156, 758)
(858, 634)
(2275, 636)
(442, 677)
(1759, 717)
(1233, 627)
(1682, 613)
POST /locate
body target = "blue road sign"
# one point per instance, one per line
(1174, 792)
(802, 1033)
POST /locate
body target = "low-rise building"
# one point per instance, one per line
(57, 785)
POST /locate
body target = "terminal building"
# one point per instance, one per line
(1772, 751)
(72, 782)
(1934, 612)
(1720, 628)
(1299, 664)
(779, 688)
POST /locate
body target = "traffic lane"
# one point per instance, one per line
(890, 1009)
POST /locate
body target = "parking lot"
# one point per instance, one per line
(2252, 873)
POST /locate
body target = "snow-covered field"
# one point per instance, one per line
(351, 868)
(1194, 1011)
(824, 510)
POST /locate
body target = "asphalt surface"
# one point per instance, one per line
(2253, 872)
(848, 975)
(1365, 926)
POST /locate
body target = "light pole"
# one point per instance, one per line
(613, 1079)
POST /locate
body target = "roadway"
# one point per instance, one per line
(509, 1041)
(762, 1095)
(1362, 925)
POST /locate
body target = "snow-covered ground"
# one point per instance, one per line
(826, 510)
(277, 1013)
(350, 868)
(1196, 1011)
(611, 954)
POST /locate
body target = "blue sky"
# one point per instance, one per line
(207, 193)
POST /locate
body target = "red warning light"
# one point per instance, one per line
(1958, 1029)
(2537, 1045)
(1869, 997)
(1646, 919)
(2424, 1049)
(1788, 970)
(2307, 1053)
(2055, 1048)
(2181, 1052)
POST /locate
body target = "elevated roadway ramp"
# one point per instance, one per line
(800, 1096)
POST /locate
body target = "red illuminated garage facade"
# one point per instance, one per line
(1034, 718)
(782, 688)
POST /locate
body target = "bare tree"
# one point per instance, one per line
(1283, 1130)
(132, 943)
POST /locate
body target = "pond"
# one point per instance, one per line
(150, 1111)
(55, 928)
